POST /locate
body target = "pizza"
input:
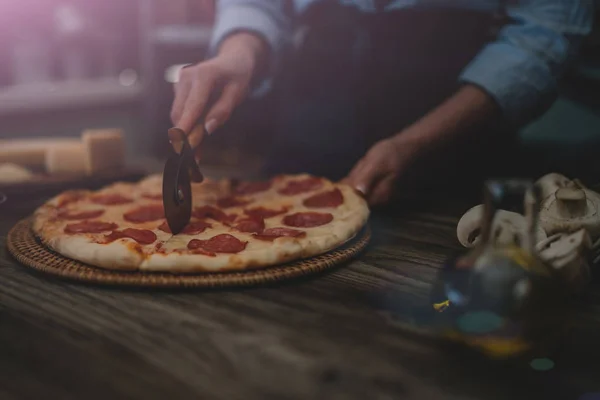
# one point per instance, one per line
(235, 225)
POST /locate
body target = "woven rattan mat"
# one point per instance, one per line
(28, 250)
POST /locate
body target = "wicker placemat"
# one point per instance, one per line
(28, 250)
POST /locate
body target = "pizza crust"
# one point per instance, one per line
(127, 254)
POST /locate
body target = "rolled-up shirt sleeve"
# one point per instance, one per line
(521, 68)
(270, 19)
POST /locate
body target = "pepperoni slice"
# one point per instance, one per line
(223, 243)
(69, 198)
(142, 236)
(250, 225)
(301, 186)
(145, 214)
(90, 227)
(245, 188)
(80, 215)
(228, 202)
(193, 228)
(110, 199)
(196, 227)
(212, 213)
(332, 198)
(307, 219)
(261, 212)
(152, 196)
(274, 233)
(165, 227)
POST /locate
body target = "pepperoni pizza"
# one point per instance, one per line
(234, 225)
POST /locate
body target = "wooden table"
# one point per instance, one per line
(326, 337)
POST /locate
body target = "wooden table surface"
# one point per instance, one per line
(326, 337)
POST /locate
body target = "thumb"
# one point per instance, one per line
(364, 178)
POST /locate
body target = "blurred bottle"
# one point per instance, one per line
(503, 300)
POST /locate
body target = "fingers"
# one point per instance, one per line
(195, 103)
(220, 112)
(182, 91)
(195, 137)
(373, 181)
(192, 97)
(375, 185)
(198, 154)
(351, 178)
(381, 191)
(364, 176)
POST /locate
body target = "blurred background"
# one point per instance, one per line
(68, 65)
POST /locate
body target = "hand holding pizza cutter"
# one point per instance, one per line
(180, 169)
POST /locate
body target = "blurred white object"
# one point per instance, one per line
(13, 173)
(68, 159)
(104, 149)
(68, 20)
(128, 77)
(29, 152)
(173, 72)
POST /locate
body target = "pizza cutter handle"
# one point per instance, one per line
(177, 138)
(182, 146)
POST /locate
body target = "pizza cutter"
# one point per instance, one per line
(180, 170)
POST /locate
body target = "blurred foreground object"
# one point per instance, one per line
(569, 222)
(504, 297)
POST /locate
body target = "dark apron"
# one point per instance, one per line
(358, 78)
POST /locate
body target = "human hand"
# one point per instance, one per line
(376, 173)
(457, 122)
(215, 87)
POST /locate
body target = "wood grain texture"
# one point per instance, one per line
(324, 337)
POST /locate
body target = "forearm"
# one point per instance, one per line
(454, 121)
(522, 67)
(269, 21)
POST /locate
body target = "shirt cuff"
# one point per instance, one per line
(240, 18)
(521, 84)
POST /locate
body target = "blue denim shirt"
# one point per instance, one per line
(519, 70)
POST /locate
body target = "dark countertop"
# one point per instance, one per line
(325, 337)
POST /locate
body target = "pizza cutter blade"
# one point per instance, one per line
(179, 170)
